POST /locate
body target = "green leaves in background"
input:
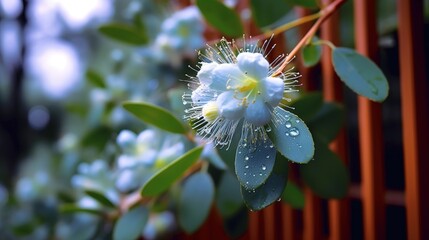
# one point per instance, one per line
(307, 105)
(254, 161)
(236, 225)
(72, 208)
(195, 201)
(360, 74)
(100, 198)
(163, 179)
(95, 78)
(155, 115)
(293, 196)
(124, 33)
(311, 53)
(130, 225)
(266, 12)
(304, 3)
(292, 137)
(327, 175)
(223, 18)
(228, 197)
(271, 190)
(97, 138)
(327, 122)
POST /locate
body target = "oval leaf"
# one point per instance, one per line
(95, 78)
(221, 17)
(271, 190)
(228, 197)
(97, 138)
(130, 225)
(360, 74)
(292, 137)
(293, 196)
(327, 175)
(99, 197)
(327, 122)
(195, 201)
(267, 12)
(156, 116)
(307, 105)
(124, 33)
(311, 53)
(254, 161)
(163, 179)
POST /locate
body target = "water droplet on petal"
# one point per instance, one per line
(288, 124)
(264, 167)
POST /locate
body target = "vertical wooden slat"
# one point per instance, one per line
(312, 217)
(254, 226)
(339, 222)
(288, 223)
(370, 130)
(269, 223)
(414, 90)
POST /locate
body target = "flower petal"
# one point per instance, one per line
(226, 74)
(272, 90)
(254, 64)
(206, 72)
(258, 113)
(202, 95)
(230, 107)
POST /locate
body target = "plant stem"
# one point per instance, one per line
(292, 24)
(325, 14)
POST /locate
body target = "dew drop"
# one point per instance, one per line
(185, 102)
(247, 166)
(268, 129)
(297, 121)
(294, 132)
(278, 200)
(268, 156)
(271, 146)
(264, 167)
(287, 134)
(288, 124)
(246, 158)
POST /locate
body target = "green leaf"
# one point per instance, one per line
(221, 17)
(228, 197)
(155, 115)
(254, 161)
(130, 225)
(271, 191)
(195, 201)
(293, 196)
(266, 12)
(304, 3)
(292, 137)
(360, 74)
(327, 122)
(72, 208)
(99, 197)
(163, 179)
(311, 53)
(124, 33)
(95, 78)
(326, 175)
(97, 138)
(307, 105)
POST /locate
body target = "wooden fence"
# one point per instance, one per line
(338, 219)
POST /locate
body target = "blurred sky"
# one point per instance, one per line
(52, 63)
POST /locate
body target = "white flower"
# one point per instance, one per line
(230, 87)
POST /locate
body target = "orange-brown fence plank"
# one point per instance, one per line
(289, 227)
(415, 120)
(339, 222)
(312, 217)
(370, 130)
